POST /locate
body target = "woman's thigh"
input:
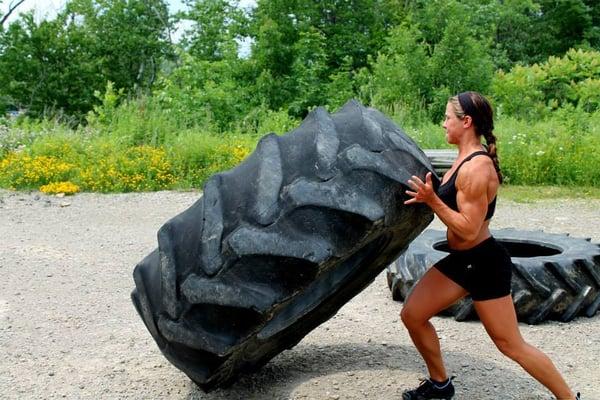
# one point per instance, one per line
(499, 318)
(433, 293)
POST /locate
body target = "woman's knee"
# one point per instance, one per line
(511, 348)
(411, 316)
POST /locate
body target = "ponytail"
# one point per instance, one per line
(490, 140)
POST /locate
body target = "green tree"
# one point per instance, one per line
(592, 35)
(349, 30)
(55, 66)
(341, 86)
(201, 92)
(535, 91)
(216, 26)
(559, 26)
(48, 67)
(310, 72)
(130, 37)
(514, 31)
(509, 25)
(402, 73)
(419, 76)
(459, 62)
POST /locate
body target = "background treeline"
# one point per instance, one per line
(107, 101)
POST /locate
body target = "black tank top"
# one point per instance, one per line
(447, 191)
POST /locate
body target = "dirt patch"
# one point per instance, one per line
(68, 328)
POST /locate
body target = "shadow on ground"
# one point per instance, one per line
(363, 371)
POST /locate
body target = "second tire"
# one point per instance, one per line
(555, 276)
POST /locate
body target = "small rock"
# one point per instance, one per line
(65, 204)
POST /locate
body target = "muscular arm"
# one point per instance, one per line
(472, 187)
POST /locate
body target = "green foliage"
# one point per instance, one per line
(536, 91)
(104, 112)
(103, 164)
(426, 134)
(301, 48)
(340, 87)
(217, 23)
(413, 74)
(562, 150)
(309, 71)
(403, 75)
(261, 120)
(201, 92)
(159, 116)
(48, 67)
(514, 31)
(53, 68)
(560, 26)
(139, 121)
(196, 155)
(472, 70)
(128, 37)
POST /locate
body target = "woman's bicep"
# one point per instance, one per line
(472, 198)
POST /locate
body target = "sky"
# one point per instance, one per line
(49, 8)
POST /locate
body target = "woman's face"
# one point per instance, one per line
(453, 125)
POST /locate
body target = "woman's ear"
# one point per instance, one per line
(467, 121)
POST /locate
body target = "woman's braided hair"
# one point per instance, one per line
(479, 109)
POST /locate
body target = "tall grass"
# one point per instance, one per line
(561, 150)
(140, 146)
(133, 147)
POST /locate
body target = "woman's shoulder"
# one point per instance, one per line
(479, 168)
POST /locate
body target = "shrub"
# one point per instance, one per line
(20, 170)
(196, 156)
(60, 187)
(555, 151)
(109, 168)
(535, 91)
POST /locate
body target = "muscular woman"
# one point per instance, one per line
(477, 264)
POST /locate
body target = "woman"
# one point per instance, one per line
(477, 264)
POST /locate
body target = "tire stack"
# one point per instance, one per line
(275, 246)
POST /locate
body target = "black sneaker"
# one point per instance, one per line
(428, 390)
(578, 397)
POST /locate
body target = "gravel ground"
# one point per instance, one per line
(68, 328)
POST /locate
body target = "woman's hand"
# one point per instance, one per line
(423, 193)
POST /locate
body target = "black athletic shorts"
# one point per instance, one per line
(484, 270)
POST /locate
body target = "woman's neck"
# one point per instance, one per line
(469, 147)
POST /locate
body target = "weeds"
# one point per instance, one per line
(142, 149)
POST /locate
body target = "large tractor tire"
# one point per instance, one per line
(555, 276)
(275, 246)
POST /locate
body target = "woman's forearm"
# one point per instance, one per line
(455, 221)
